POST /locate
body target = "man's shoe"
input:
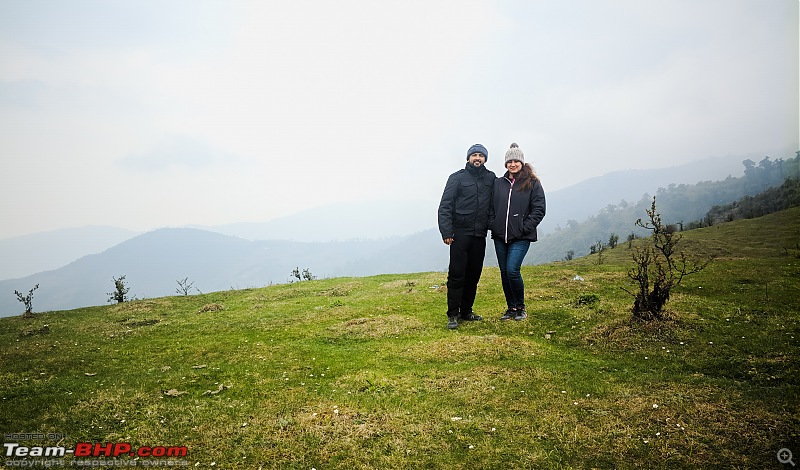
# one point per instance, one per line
(470, 317)
(452, 323)
(521, 315)
(509, 315)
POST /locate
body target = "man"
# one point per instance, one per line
(463, 223)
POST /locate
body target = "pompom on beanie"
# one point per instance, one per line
(478, 148)
(515, 153)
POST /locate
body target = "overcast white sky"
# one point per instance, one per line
(149, 113)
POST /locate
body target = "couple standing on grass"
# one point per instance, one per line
(474, 201)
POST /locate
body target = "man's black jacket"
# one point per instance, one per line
(465, 204)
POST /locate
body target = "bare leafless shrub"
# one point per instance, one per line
(658, 267)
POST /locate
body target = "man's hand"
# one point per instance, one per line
(448, 241)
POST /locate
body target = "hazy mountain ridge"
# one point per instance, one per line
(29, 254)
(154, 261)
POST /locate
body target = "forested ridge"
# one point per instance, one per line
(767, 186)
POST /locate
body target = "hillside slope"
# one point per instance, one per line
(361, 372)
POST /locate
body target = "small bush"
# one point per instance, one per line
(121, 290)
(184, 287)
(27, 300)
(304, 275)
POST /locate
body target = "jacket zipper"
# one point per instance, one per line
(508, 208)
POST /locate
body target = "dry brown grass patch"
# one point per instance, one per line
(211, 308)
(341, 290)
(626, 334)
(398, 283)
(140, 306)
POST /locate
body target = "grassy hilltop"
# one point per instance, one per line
(362, 373)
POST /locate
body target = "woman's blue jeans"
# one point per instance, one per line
(509, 258)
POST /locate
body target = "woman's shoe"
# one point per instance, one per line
(521, 315)
(509, 314)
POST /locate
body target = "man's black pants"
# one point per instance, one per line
(466, 264)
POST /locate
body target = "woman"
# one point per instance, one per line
(518, 206)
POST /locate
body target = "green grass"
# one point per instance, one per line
(362, 373)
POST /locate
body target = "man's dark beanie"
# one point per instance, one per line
(478, 148)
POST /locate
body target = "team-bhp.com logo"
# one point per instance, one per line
(87, 449)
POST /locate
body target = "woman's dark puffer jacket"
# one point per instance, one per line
(516, 213)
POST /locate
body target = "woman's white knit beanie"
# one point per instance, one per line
(514, 153)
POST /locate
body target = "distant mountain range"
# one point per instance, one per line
(154, 262)
(30, 254)
(77, 265)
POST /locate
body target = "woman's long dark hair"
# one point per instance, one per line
(526, 177)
